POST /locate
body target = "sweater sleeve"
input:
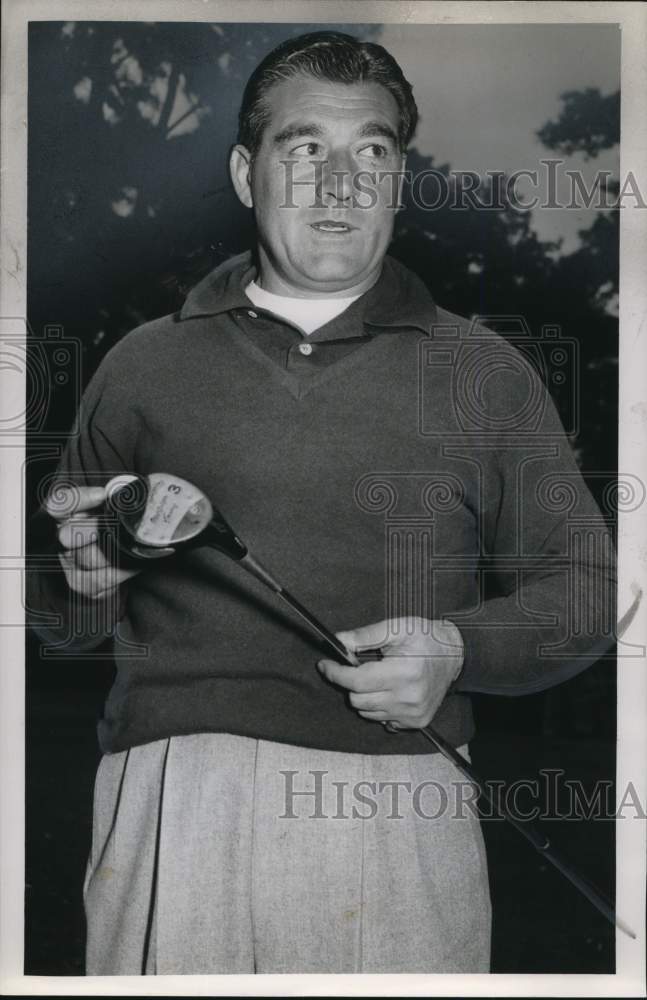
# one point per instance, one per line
(104, 446)
(549, 553)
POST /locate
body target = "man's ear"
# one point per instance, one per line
(240, 168)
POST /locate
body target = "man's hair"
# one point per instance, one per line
(326, 55)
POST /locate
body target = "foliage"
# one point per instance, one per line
(130, 204)
(588, 123)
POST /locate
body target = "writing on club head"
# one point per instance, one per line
(159, 510)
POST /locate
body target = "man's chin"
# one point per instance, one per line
(333, 274)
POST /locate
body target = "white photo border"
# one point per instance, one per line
(631, 851)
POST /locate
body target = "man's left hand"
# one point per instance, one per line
(421, 659)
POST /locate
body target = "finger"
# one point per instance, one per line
(366, 637)
(67, 499)
(89, 557)
(370, 702)
(94, 583)
(80, 530)
(368, 677)
(338, 674)
(374, 716)
(113, 577)
(114, 584)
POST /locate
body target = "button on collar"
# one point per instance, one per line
(305, 349)
(254, 315)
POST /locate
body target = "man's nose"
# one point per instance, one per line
(337, 178)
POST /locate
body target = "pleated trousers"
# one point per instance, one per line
(216, 853)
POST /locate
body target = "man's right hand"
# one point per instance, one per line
(86, 567)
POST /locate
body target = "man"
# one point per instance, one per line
(227, 830)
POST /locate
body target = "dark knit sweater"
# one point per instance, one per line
(406, 466)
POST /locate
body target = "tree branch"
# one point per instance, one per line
(194, 107)
(171, 93)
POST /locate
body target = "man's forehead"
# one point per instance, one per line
(313, 98)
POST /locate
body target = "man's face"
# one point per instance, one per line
(323, 227)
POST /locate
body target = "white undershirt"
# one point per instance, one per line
(307, 314)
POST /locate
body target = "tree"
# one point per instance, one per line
(129, 205)
(129, 200)
(588, 123)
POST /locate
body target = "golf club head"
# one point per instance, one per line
(160, 513)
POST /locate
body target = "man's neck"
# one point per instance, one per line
(290, 296)
(270, 281)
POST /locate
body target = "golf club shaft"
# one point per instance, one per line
(337, 649)
(539, 841)
(332, 641)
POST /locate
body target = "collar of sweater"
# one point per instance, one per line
(398, 298)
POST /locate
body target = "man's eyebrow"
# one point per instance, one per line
(297, 131)
(378, 128)
(300, 130)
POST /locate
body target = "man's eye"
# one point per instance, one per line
(376, 151)
(306, 149)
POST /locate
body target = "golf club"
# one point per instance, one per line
(160, 514)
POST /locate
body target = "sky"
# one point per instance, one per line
(484, 90)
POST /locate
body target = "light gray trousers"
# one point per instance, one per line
(216, 853)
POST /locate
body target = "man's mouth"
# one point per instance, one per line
(331, 226)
